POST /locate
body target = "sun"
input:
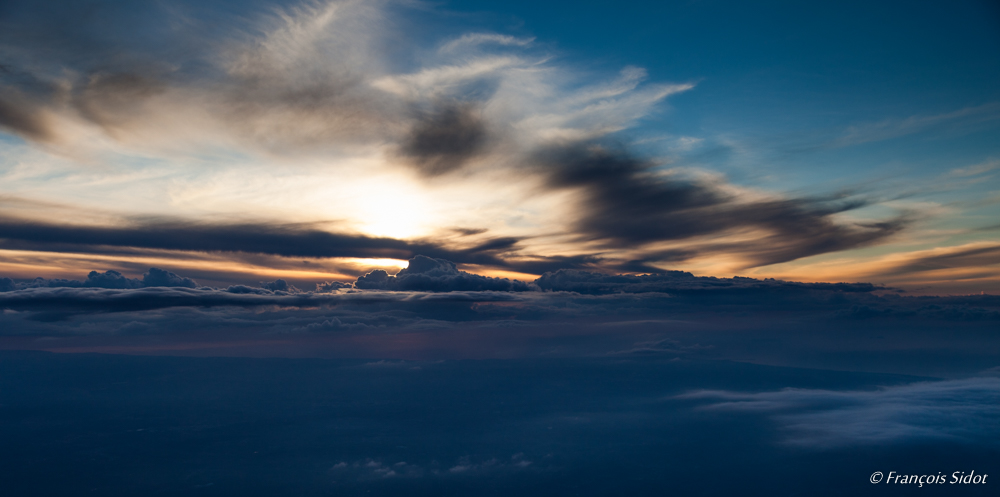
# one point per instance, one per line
(392, 209)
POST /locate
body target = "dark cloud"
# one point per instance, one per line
(539, 265)
(66, 299)
(285, 240)
(114, 279)
(679, 282)
(335, 324)
(20, 116)
(110, 99)
(626, 202)
(160, 277)
(279, 285)
(426, 274)
(96, 294)
(103, 59)
(977, 256)
(244, 290)
(442, 141)
(331, 286)
(111, 279)
(110, 58)
(22, 99)
(438, 311)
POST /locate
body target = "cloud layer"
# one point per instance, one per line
(437, 275)
(318, 82)
(960, 410)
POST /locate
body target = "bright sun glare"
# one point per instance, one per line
(396, 211)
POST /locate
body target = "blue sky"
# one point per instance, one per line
(787, 80)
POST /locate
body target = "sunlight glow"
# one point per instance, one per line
(391, 208)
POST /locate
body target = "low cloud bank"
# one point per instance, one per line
(155, 277)
(426, 274)
(966, 410)
(673, 313)
(569, 280)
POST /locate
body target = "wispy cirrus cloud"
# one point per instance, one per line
(894, 128)
(523, 140)
(470, 40)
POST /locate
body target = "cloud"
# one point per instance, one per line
(21, 117)
(316, 79)
(432, 294)
(244, 290)
(111, 279)
(293, 240)
(335, 324)
(679, 282)
(470, 40)
(976, 169)
(279, 285)
(332, 286)
(974, 255)
(114, 279)
(444, 140)
(434, 311)
(626, 202)
(67, 300)
(965, 410)
(285, 240)
(437, 275)
(202, 73)
(894, 128)
(159, 277)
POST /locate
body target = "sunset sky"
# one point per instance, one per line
(483, 247)
(235, 142)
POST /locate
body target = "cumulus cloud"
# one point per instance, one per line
(159, 277)
(335, 324)
(114, 279)
(112, 292)
(111, 279)
(433, 310)
(966, 410)
(437, 275)
(332, 286)
(279, 285)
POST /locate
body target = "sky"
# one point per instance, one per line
(472, 247)
(855, 143)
